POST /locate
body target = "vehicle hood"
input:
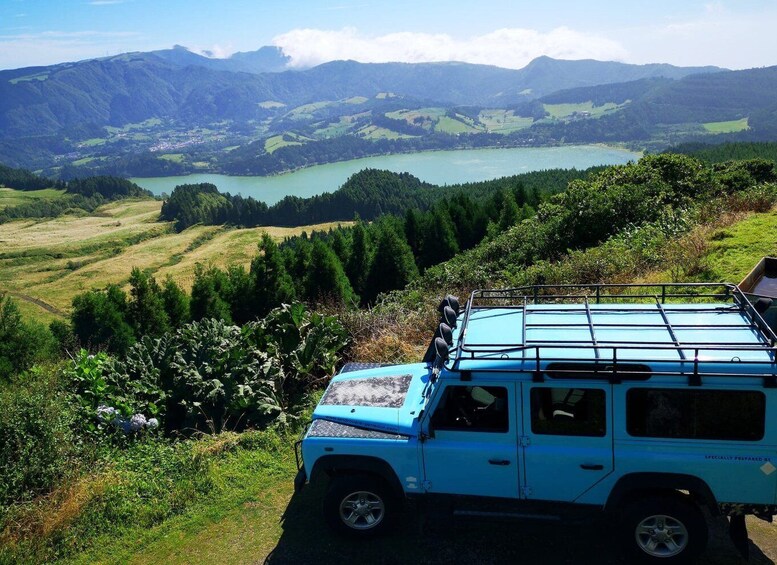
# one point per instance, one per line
(387, 399)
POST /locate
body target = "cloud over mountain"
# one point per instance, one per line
(511, 48)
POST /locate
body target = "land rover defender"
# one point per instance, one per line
(644, 404)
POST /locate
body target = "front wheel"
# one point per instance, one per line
(664, 529)
(358, 505)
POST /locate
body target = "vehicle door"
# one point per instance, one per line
(568, 438)
(471, 445)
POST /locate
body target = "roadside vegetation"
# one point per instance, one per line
(154, 409)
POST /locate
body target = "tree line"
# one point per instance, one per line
(369, 194)
(347, 266)
(80, 194)
(22, 179)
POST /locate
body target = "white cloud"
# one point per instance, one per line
(508, 47)
(214, 52)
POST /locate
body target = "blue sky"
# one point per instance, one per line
(734, 34)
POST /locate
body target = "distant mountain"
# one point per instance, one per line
(651, 104)
(545, 75)
(267, 59)
(73, 99)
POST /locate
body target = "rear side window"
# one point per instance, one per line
(695, 414)
(568, 411)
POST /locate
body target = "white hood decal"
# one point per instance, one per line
(379, 392)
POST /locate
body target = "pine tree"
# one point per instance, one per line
(176, 303)
(339, 244)
(146, 308)
(439, 241)
(510, 214)
(519, 193)
(241, 286)
(413, 229)
(393, 266)
(272, 284)
(358, 265)
(209, 293)
(326, 279)
(297, 262)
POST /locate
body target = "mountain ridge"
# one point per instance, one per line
(132, 87)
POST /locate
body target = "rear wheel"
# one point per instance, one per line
(664, 529)
(358, 505)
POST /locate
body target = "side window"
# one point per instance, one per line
(696, 414)
(473, 409)
(568, 411)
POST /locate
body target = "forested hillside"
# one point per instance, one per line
(723, 152)
(367, 194)
(83, 195)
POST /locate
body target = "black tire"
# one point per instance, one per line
(358, 505)
(663, 529)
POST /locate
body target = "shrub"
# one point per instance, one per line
(211, 375)
(36, 440)
(108, 398)
(21, 344)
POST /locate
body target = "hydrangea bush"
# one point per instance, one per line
(210, 375)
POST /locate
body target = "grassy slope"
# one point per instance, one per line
(255, 518)
(46, 263)
(565, 110)
(735, 250)
(727, 127)
(12, 197)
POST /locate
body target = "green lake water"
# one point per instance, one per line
(437, 167)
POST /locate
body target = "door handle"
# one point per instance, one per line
(499, 461)
(591, 467)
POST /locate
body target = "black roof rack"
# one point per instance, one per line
(610, 298)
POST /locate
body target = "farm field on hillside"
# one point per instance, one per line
(44, 264)
(727, 127)
(560, 111)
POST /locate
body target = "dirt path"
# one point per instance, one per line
(40, 303)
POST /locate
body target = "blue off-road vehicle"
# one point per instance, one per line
(646, 405)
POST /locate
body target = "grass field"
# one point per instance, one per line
(44, 264)
(12, 197)
(256, 518)
(731, 126)
(173, 157)
(276, 142)
(503, 121)
(446, 124)
(561, 111)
